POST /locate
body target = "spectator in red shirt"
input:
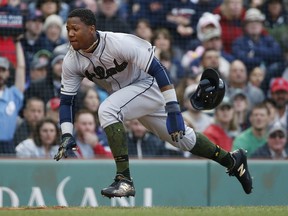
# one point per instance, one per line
(232, 13)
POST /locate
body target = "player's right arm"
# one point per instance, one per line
(70, 83)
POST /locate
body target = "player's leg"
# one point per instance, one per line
(198, 144)
(128, 103)
(194, 142)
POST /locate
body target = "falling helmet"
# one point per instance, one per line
(209, 92)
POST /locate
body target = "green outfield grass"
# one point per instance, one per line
(141, 211)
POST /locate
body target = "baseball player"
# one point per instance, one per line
(139, 88)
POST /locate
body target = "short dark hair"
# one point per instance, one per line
(85, 15)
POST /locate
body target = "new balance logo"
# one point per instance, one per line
(241, 170)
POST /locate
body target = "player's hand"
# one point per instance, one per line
(175, 123)
(67, 147)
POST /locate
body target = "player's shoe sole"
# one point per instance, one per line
(240, 170)
(121, 187)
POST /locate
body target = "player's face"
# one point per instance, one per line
(80, 35)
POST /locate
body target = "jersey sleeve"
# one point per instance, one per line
(136, 50)
(71, 78)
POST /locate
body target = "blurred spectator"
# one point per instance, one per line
(276, 19)
(89, 4)
(279, 69)
(43, 143)
(238, 79)
(152, 10)
(254, 3)
(34, 39)
(232, 13)
(255, 47)
(49, 7)
(196, 119)
(52, 109)
(43, 54)
(276, 146)
(86, 138)
(180, 21)
(209, 59)
(279, 94)
(256, 135)
(271, 104)
(203, 6)
(163, 42)
(189, 79)
(38, 69)
(208, 37)
(107, 18)
(256, 77)
(241, 108)
(52, 82)
(143, 144)
(85, 85)
(33, 112)
(144, 30)
(11, 100)
(91, 102)
(52, 29)
(174, 68)
(223, 131)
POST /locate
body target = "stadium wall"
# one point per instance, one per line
(157, 182)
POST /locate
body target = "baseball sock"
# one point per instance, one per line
(205, 148)
(116, 136)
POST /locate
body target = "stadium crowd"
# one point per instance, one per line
(245, 40)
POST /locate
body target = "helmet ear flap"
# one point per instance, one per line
(209, 92)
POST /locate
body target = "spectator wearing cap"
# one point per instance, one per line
(238, 79)
(256, 135)
(232, 13)
(38, 69)
(279, 94)
(224, 129)
(255, 47)
(208, 37)
(241, 107)
(34, 39)
(53, 30)
(11, 100)
(196, 119)
(52, 82)
(276, 147)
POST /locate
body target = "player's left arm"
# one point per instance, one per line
(175, 123)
